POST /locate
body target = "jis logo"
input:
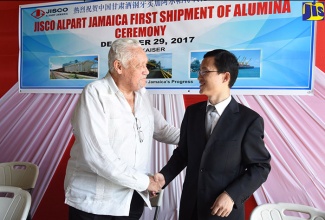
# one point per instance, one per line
(312, 11)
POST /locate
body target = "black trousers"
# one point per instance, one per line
(136, 210)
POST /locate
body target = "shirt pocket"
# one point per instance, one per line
(147, 124)
(119, 129)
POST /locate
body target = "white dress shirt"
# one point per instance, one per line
(108, 161)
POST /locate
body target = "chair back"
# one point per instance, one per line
(286, 211)
(19, 174)
(157, 200)
(14, 203)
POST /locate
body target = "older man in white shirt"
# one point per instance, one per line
(114, 123)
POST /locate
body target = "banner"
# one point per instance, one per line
(64, 45)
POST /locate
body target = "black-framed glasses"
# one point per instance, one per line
(140, 133)
(203, 72)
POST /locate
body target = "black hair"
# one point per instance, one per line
(225, 61)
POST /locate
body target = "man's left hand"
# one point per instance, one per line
(223, 205)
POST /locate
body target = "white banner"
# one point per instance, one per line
(64, 45)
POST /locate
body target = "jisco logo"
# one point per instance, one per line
(56, 10)
(50, 12)
(312, 11)
(38, 13)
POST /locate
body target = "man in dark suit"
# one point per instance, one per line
(225, 168)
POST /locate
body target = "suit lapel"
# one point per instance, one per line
(201, 122)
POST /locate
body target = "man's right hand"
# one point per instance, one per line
(154, 186)
(160, 179)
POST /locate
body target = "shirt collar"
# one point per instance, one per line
(114, 87)
(221, 106)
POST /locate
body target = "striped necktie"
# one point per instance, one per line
(210, 117)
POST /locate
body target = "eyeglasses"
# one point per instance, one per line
(202, 73)
(140, 133)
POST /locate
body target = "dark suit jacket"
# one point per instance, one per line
(234, 159)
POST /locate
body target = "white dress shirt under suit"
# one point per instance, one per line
(108, 161)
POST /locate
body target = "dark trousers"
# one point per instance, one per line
(136, 210)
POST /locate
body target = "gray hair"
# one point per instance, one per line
(120, 50)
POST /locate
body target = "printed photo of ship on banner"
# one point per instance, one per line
(64, 45)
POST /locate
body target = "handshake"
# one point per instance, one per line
(157, 181)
